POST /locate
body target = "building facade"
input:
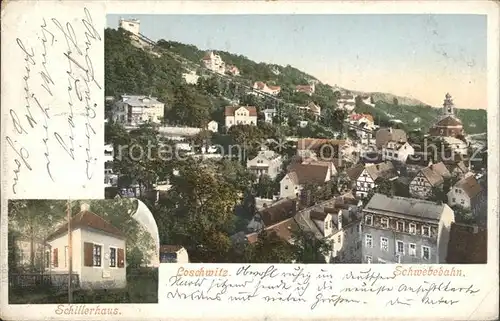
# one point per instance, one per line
(267, 162)
(448, 124)
(136, 110)
(240, 115)
(405, 230)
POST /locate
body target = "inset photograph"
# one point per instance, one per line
(82, 251)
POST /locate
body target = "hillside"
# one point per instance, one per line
(134, 71)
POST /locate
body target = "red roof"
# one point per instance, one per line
(315, 143)
(230, 110)
(304, 88)
(259, 85)
(87, 219)
(359, 116)
(274, 87)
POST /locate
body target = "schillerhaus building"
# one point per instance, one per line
(448, 125)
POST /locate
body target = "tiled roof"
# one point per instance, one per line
(385, 135)
(86, 219)
(278, 212)
(310, 173)
(355, 171)
(467, 244)
(140, 101)
(230, 110)
(470, 186)
(405, 206)
(434, 178)
(381, 170)
(318, 215)
(284, 230)
(441, 169)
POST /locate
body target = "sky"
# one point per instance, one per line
(420, 56)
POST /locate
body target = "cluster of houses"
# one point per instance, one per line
(366, 226)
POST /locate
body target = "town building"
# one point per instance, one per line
(135, 110)
(240, 115)
(347, 102)
(131, 25)
(321, 147)
(468, 193)
(267, 162)
(311, 108)
(456, 145)
(173, 254)
(268, 89)
(397, 151)
(386, 135)
(405, 230)
(98, 251)
(468, 244)
(448, 124)
(110, 178)
(271, 215)
(269, 114)
(191, 77)
(306, 89)
(233, 70)
(214, 62)
(428, 178)
(293, 182)
(213, 126)
(368, 176)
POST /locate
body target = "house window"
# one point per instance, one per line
(413, 228)
(412, 249)
(453, 200)
(368, 220)
(426, 253)
(400, 247)
(359, 228)
(286, 187)
(400, 226)
(426, 231)
(462, 202)
(384, 222)
(97, 255)
(368, 259)
(384, 244)
(368, 240)
(339, 238)
(112, 257)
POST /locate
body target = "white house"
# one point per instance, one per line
(213, 126)
(458, 146)
(214, 62)
(271, 90)
(267, 162)
(98, 251)
(173, 254)
(397, 151)
(367, 178)
(135, 110)
(240, 115)
(465, 192)
(312, 108)
(301, 174)
(191, 77)
(233, 70)
(269, 114)
(131, 25)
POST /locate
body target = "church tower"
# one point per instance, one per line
(448, 107)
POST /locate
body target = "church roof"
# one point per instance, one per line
(449, 121)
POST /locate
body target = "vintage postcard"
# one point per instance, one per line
(317, 160)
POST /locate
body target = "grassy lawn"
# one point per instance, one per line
(141, 288)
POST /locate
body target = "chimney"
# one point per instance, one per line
(84, 207)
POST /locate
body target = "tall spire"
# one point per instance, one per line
(448, 107)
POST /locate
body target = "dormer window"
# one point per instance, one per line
(400, 226)
(384, 222)
(426, 231)
(368, 220)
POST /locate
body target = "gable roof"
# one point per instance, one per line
(385, 135)
(319, 215)
(278, 212)
(355, 171)
(310, 173)
(381, 170)
(230, 110)
(284, 230)
(405, 206)
(86, 219)
(434, 178)
(470, 185)
(467, 244)
(441, 169)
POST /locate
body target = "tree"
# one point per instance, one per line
(265, 187)
(463, 215)
(270, 248)
(438, 195)
(395, 101)
(308, 248)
